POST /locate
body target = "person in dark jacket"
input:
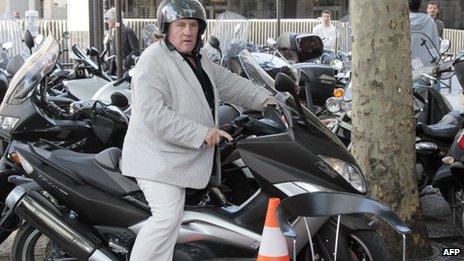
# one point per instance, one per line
(432, 9)
(130, 42)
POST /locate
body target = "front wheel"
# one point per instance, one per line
(365, 245)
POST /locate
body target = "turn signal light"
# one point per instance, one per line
(15, 158)
(338, 93)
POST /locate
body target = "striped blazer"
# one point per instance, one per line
(170, 117)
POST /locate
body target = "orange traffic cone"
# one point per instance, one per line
(273, 244)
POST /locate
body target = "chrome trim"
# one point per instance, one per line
(98, 255)
(308, 187)
(198, 226)
(15, 195)
(290, 188)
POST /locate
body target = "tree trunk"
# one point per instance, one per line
(383, 133)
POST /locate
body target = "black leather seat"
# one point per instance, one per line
(446, 128)
(98, 170)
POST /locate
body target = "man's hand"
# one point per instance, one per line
(214, 136)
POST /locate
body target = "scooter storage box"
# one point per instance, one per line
(319, 79)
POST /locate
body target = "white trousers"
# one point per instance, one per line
(156, 239)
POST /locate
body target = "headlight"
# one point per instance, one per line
(333, 104)
(8, 123)
(337, 65)
(348, 171)
(346, 107)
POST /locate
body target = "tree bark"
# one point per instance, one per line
(383, 133)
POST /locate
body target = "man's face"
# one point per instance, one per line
(111, 23)
(326, 19)
(432, 10)
(183, 34)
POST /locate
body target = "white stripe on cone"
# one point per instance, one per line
(273, 243)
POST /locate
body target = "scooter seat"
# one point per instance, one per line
(98, 170)
(446, 128)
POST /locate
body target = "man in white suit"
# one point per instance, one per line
(170, 142)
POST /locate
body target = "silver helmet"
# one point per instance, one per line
(172, 10)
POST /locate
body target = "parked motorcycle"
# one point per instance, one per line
(88, 210)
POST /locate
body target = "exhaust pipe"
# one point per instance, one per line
(36, 210)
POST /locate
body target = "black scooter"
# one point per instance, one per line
(90, 211)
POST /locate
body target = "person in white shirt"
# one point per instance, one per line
(326, 31)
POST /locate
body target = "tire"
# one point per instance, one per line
(25, 246)
(363, 245)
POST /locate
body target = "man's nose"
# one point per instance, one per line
(188, 30)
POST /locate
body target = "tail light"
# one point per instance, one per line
(461, 141)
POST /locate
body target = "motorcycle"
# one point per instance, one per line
(448, 178)
(88, 210)
(436, 123)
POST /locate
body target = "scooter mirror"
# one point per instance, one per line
(445, 45)
(65, 35)
(283, 83)
(214, 42)
(94, 52)
(7, 45)
(28, 39)
(39, 39)
(271, 42)
(119, 100)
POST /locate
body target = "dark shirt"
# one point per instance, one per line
(204, 80)
(130, 46)
(440, 27)
(208, 90)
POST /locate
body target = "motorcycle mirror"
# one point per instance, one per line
(28, 39)
(214, 42)
(283, 83)
(38, 39)
(7, 45)
(94, 52)
(445, 45)
(271, 42)
(119, 100)
(65, 35)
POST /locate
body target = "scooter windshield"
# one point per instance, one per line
(33, 70)
(254, 72)
(231, 29)
(344, 39)
(424, 54)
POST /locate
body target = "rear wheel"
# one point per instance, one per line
(30, 245)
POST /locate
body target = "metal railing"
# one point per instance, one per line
(259, 31)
